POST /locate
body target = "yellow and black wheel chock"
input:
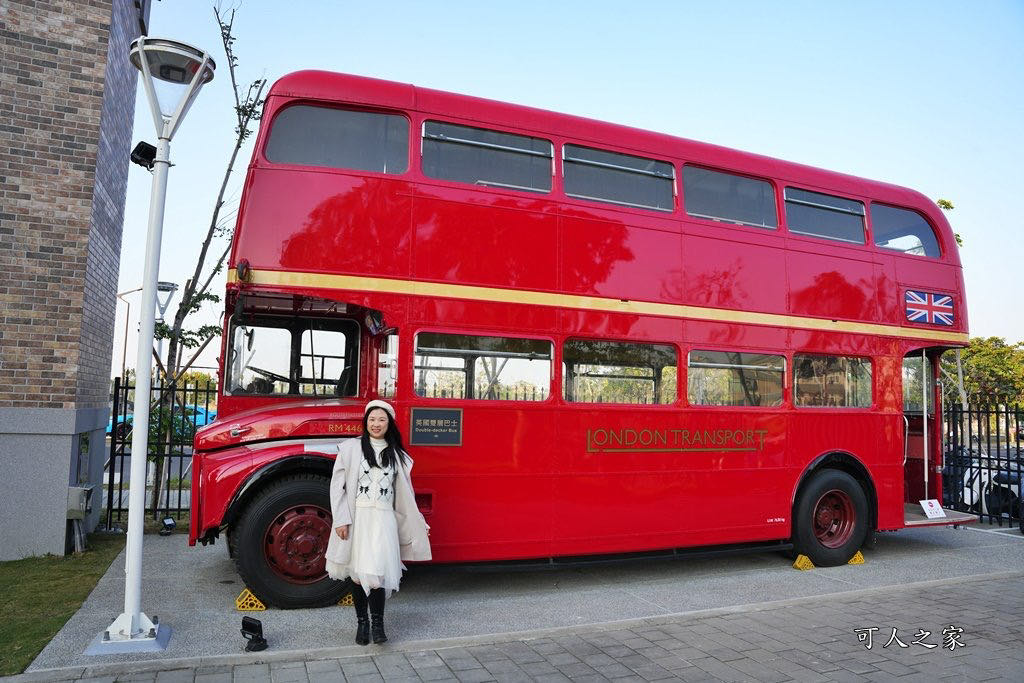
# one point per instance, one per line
(803, 563)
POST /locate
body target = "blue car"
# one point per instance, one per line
(197, 415)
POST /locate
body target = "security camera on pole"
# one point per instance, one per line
(172, 75)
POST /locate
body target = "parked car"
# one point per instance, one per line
(200, 416)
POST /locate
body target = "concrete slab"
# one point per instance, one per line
(193, 591)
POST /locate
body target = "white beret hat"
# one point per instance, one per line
(383, 405)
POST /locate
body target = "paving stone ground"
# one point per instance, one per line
(975, 632)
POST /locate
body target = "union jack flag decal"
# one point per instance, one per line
(925, 307)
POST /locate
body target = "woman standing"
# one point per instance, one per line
(376, 521)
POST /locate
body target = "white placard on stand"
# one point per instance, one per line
(932, 508)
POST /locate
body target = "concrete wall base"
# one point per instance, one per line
(42, 452)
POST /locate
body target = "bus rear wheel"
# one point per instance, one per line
(280, 540)
(830, 521)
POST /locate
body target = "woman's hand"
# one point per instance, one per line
(342, 532)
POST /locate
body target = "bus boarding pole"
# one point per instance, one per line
(924, 417)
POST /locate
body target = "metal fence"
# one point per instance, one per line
(176, 412)
(983, 461)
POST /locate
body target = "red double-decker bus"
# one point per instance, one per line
(598, 339)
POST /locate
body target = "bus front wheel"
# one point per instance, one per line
(280, 540)
(830, 520)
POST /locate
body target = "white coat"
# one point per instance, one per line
(412, 528)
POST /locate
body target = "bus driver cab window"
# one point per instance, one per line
(282, 355)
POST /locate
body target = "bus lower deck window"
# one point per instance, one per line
(834, 381)
(597, 371)
(732, 378)
(296, 356)
(483, 368)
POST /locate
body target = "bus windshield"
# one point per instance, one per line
(272, 355)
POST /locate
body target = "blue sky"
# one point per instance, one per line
(925, 94)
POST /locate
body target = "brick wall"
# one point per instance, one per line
(65, 131)
(67, 101)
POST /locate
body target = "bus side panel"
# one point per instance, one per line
(493, 496)
(932, 276)
(221, 474)
(734, 274)
(475, 238)
(840, 286)
(637, 477)
(868, 437)
(323, 221)
(613, 259)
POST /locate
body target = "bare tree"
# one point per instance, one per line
(248, 107)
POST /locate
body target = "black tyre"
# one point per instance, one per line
(280, 540)
(1000, 501)
(830, 519)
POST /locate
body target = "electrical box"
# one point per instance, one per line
(79, 501)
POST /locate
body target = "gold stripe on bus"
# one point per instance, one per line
(583, 302)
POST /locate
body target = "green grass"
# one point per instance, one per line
(39, 594)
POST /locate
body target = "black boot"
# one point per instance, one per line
(362, 622)
(377, 616)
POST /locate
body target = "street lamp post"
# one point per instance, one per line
(127, 317)
(180, 71)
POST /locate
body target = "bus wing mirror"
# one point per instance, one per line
(375, 322)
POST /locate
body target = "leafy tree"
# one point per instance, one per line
(947, 205)
(992, 369)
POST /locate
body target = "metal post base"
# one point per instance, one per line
(153, 638)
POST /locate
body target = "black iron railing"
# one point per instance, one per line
(983, 461)
(176, 412)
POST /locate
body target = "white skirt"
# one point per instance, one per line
(376, 560)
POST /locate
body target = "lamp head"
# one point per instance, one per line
(172, 75)
(170, 61)
(164, 293)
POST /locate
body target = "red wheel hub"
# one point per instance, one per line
(295, 543)
(834, 519)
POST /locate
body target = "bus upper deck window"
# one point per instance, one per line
(604, 176)
(903, 230)
(488, 158)
(340, 138)
(729, 198)
(823, 215)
